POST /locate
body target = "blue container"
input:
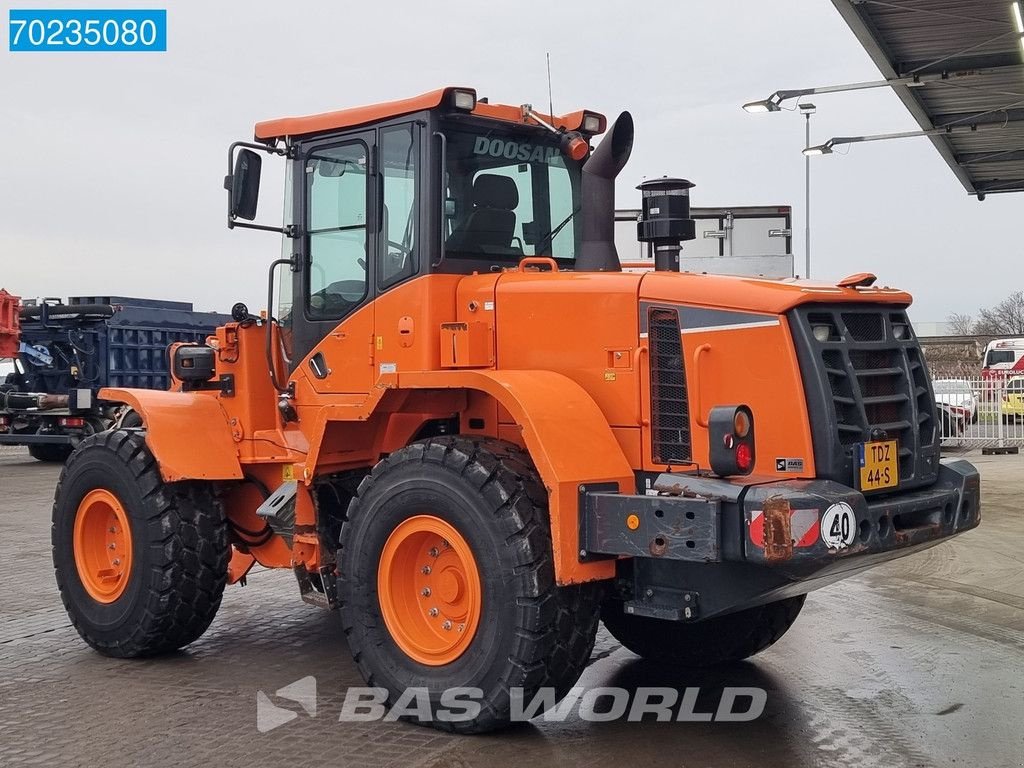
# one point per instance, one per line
(106, 341)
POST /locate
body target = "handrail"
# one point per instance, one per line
(537, 261)
(698, 409)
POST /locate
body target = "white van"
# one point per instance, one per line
(1003, 356)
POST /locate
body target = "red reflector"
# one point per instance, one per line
(71, 421)
(744, 457)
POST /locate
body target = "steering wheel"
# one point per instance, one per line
(403, 249)
(397, 256)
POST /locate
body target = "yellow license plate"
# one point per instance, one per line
(879, 465)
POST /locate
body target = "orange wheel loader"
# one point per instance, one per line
(467, 430)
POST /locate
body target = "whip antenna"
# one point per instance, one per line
(551, 105)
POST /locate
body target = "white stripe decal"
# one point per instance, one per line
(736, 327)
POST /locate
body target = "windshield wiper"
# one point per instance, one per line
(550, 236)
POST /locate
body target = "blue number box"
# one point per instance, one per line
(87, 30)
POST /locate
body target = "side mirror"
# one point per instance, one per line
(244, 185)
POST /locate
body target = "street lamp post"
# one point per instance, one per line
(807, 109)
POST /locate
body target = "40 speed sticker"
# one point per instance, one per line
(838, 526)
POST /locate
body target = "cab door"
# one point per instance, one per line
(335, 281)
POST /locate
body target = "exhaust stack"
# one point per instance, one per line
(597, 250)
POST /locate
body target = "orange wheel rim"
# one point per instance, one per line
(102, 546)
(429, 590)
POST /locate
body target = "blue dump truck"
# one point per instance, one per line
(63, 352)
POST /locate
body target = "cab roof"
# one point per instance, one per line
(270, 130)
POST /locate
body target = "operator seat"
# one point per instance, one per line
(492, 222)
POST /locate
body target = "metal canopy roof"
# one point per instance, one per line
(977, 44)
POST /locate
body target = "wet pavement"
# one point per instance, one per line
(919, 662)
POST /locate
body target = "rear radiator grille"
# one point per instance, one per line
(877, 384)
(670, 411)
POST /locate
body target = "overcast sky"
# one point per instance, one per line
(113, 163)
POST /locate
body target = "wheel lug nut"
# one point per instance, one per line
(462, 627)
(117, 561)
(425, 570)
(113, 546)
(112, 529)
(425, 592)
(433, 612)
(446, 625)
(445, 544)
(433, 552)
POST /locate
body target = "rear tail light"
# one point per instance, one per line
(4, 422)
(731, 437)
(744, 457)
(71, 421)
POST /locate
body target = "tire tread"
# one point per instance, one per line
(186, 534)
(556, 626)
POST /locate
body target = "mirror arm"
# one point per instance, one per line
(288, 231)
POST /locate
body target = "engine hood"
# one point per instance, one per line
(757, 294)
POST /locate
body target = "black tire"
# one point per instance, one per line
(56, 453)
(722, 640)
(179, 548)
(131, 420)
(531, 634)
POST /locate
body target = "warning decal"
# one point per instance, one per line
(804, 526)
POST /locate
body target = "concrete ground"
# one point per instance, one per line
(917, 663)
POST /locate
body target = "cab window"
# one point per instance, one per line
(510, 194)
(399, 161)
(999, 357)
(336, 182)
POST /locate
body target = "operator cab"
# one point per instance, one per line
(441, 183)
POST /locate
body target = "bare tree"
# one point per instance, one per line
(961, 324)
(1004, 319)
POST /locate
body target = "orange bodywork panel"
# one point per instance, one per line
(347, 118)
(556, 362)
(757, 294)
(188, 432)
(9, 325)
(756, 367)
(356, 116)
(467, 345)
(569, 441)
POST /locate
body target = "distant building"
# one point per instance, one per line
(931, 328)
(739, 240)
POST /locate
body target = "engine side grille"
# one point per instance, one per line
(670, 411)
(873, 382)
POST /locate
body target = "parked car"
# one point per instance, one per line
(1012, 407)
(959, 396)
(952, 420)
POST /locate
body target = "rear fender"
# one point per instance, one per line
(187, 432)
(569, 440)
